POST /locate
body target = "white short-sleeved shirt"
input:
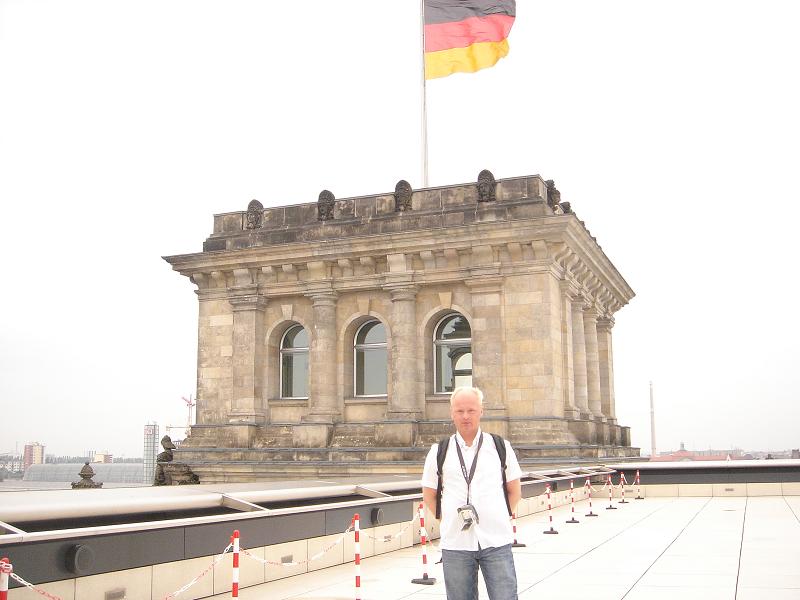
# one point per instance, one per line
(486, 493)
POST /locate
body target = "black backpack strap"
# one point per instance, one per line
(441, 453)
(500, 444)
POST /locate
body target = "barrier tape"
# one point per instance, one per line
(32, 587)
(317, 556)
(205, 572)
(590, 486)
(389, 538)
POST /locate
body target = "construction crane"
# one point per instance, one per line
(189, 404)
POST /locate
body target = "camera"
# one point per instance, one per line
(468, 516)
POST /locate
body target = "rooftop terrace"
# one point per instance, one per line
(705, 548)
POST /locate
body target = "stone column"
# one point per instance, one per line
(592, 362)
(579, 359)
(568, 369)
(404, 402)
(323, 398)
(488, 370)
(606, 359)
(247, 402)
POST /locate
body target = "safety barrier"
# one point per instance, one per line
(572, 502)
(423, 542)
(590, 489)
(637, 482)
(235, 547)
(610, 486)
(550, 531)
(622, 484)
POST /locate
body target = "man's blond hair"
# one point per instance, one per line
(466, 388)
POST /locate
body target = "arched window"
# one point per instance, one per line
(294, 363)
(452, 348)
(370, 359)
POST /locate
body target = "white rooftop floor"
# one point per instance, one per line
(686, 548)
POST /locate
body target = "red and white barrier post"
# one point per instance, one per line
(610, 485)
(423, 541)
(638, 487)
(622, 483)
(550, 531)
(572, 502)
(235, 575)
(516, 544)
(357, 549)
(5, 571)
(588, 484)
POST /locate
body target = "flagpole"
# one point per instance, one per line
(424, 136)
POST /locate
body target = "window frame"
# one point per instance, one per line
(292, 351)
(457, 342)
(357, 347)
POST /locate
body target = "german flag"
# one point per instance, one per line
(464, 36)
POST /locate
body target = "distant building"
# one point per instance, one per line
(33, 455)
(684, 455)
(119, 473)
(151, 449)
(102, 457)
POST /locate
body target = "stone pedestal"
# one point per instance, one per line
(311, 435)
(395, 435)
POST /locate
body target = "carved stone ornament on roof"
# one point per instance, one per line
(553, 195)
(255, 215)
(486, 186)
(325, 205)
(402, 196)
(566, 207)
(86, 482)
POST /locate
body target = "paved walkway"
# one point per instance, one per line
(685, 548)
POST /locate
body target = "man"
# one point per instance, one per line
(475, 526)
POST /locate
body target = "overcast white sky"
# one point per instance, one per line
(671, 127)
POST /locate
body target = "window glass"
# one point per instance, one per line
(371, 333)
(452, 354)
(294, 363)
(370, 360)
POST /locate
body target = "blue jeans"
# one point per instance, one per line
(461, 573)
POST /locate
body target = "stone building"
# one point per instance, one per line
(331, 333)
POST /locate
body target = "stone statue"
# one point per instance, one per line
(255, 215)
(325, 205)
(86, 482)
(169, 473)
(402, 196)
(486, 186)
(553, 195)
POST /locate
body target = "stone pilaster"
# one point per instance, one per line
(316, 428)
(488, 369)
(592, 362)
(404, 402)
(247, 403)
(323, 398)
(567, 296)
(579, 359)
(606, 359)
